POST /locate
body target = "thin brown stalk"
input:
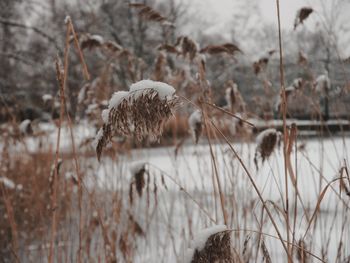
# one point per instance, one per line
(62, 83)
(229, 113)
(80, 53)
(285, 134)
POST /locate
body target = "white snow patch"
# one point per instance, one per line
(105, 115)
(67, 19)
(97, 38)
(259, 139)
(24, 126)
(98, 137)
(117, 98)
(47, 97)
(164, 90)
(7, 182)
(322, 83)
(91, 108)
(135, 167)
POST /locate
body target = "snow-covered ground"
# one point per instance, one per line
(186, 202)
(315, 166)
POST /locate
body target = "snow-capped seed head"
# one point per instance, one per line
(47, 98)
(25, 127)
(322, 83)
(9, 184)
(138, 171)
(297, 83)
(195, 123)
(212, 243)
(234, 99)
(117, 97)
(266, 141)
(142, 112)
(164, 90)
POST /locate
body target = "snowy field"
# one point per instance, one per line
(192, 169)
(185, 203)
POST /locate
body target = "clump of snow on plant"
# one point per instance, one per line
(259, 139)
(117, 98)
(47, 97)
(322, 83)
(137, 166)
(25, 126)
(67, 19)
(91, 108)
(164, 90)
(9, 184)
(105, 115)
(97, 38)
(199, 240)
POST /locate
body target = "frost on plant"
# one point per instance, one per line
(142, 111)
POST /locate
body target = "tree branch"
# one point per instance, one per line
(35, 29)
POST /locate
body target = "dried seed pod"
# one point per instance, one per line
(266, 141)
(138, 171)
(91, 41)
(187, 46)
(148, 13)
(302, 14)
(227, 48)
(211, 245)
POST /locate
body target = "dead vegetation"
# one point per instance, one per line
(80, 210)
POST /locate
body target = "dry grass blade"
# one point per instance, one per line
(227, 48)
(188, 47)
(265, 252)
(302, 14)
(302, 59)
(232, 47)
(318, 205)
(168, 48)
(342, 185)
(302, 255)
(112, 46)
(148, 13)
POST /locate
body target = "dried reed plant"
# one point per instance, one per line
(142, 112)
(267, 141)
(217, 248)
(148, 13)
(302, 14)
